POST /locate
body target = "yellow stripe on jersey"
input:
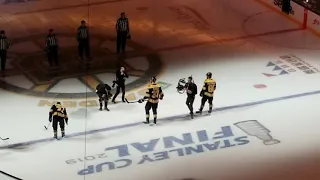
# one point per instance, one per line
(153, 92)
(209, 87)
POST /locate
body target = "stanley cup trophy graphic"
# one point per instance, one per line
(254, 128)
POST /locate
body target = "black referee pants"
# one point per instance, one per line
(286, 6)
(84, 46)
(121, 40)
(3, 58)
(53, 55)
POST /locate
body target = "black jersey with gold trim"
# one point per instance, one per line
(154, 93)
(58, 110)
(209, 87)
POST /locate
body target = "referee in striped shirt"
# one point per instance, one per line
(122, 28)
(52, 48)
(83, 40)
(4, 46)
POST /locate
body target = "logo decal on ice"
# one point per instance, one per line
(29, 65)
(169, 147)
(288, 64)
(254, 128)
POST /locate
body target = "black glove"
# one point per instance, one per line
(161, 97)
(109, 95)
(141, 100)
(201, 93)
(114, 84)
(50, 119)
(66, 120)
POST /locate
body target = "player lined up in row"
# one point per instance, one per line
(154, 93)
(83, 38)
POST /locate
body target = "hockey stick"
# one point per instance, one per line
(46, 127)
(4, 139)
(131, 101)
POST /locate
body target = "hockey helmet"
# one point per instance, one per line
(153, 79)
(209, 75)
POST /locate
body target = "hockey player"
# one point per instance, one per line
(104, 94)
(207, 92)
(191, 89)
(59, 115)
(153, 94)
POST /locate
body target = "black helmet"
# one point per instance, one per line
(209, 74)
(153, 79)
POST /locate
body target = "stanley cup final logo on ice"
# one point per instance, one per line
(28, 70)
(177, 146)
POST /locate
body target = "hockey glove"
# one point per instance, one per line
(66, 120)
(161, 96)
(145, 97)
(140, 100)
(201, 93)
(50, 119)
(109, 95)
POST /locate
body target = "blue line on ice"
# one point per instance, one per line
(181, 116)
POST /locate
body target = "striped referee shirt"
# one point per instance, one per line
(122, 25)
(4, 43)
(51, 41)
(82, 33)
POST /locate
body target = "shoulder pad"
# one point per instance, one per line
(156, 85)
(209, 81)
(153, 86)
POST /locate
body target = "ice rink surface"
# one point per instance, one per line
(266, 106)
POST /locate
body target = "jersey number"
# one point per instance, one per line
(59, 109)
(211, 88)
(155, 93)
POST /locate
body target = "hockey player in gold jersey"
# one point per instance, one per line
(207, 92)
(153, 94)
(58, 114)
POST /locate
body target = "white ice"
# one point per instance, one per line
(237, 65)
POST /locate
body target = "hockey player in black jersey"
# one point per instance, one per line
(207, 92)
(192, 90)
(58, 114)
(153, 94)
(104, 94)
